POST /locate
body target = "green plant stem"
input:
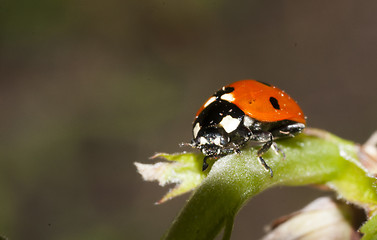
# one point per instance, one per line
(236, 178)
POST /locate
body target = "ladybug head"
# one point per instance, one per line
(211, 140)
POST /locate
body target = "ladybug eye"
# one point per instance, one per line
(274, 103)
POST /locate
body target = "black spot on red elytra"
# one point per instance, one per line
(274, 103)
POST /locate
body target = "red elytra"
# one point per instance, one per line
(254, 99)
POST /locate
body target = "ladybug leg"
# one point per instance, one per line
(277, 150)
(205, 164)
(265, 147)
(264, 164)
(290, 130)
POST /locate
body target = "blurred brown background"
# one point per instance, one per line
(89, 87)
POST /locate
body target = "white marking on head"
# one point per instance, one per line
(209, 101)
(248, 121)
(229, 123)
(196, 129)
(203, 140)
(228, 97)
(217, 141)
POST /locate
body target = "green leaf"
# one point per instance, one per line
(185, 170)
(370, 229)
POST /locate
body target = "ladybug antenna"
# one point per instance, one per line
(184, 144)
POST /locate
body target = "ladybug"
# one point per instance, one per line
(245, 111)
